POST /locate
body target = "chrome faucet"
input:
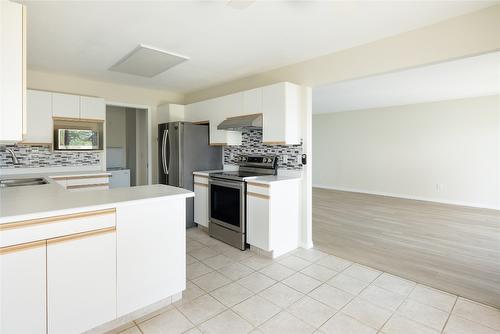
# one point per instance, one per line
(15, 160)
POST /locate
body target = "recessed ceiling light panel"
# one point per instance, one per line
(146, 61)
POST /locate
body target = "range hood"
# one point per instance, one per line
(240, 123)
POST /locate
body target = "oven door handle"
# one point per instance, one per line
(235, 185)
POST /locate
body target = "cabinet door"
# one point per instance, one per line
(274, 109)
(258, 228)
(201, 204)
(12, 71)
(65, 105)
(22, 286)
(81, 281)
(252, 101)
(151, 252)
(92, 108)
(220, 108)
(38, 117)
(281, 113)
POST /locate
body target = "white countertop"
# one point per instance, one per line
(206, 172)
(272, 179)
(257, 179)
(48, 175)
(29, 202)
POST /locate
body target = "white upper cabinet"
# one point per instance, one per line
(65, 105)
(78, 107)
(38, 117)
(215, 111)
(12, 71)
(92, 108)
(280, 105)
(281, 111)
(252, 101)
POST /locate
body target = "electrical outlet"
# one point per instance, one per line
(439, 187)
(284, 159)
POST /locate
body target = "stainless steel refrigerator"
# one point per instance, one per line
(183, 148)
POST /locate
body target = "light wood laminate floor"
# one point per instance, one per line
(452, 248)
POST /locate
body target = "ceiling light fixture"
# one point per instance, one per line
(147, 61)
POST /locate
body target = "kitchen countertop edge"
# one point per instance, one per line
(114, 198)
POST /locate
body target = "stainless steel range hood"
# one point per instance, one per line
(240, 123)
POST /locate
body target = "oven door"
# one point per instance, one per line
(226, 201)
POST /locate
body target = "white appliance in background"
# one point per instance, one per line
(120, 177)
(115, 164)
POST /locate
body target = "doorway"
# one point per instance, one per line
(127, 145)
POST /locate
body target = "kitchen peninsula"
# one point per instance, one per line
(74, 261)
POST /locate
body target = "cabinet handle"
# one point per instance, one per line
(47, 220)
(20, 247)
(201, 184)
(262, 185)
(92, 185)
(81, 235)
(93, 176)
(258, 195)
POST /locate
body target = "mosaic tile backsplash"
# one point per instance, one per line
(40, 156)
(251, 143)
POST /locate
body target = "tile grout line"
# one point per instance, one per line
(397, 308)
(449, 315)
(358, 295)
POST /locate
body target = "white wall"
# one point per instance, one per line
(115, 127)
(442, 151)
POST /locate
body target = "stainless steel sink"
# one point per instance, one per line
(28, 181)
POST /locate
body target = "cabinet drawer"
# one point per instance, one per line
(51, 227)
(86, 187)
(77, 181)
(199, 179)
(258, 188)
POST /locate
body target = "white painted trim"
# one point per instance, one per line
(417, 198)
(306, 245)
(150, 138)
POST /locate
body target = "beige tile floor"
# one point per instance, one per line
(307, 291)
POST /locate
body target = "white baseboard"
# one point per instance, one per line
(417, 198)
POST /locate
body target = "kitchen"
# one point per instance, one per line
(211, 230)
(240, 156)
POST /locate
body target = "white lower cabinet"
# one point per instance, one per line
(151, 248)
(71, 273)
(81, 281)
(258, 222)
(201, 200)
(22, 288)
(273, 216)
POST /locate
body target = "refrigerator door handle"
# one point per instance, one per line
(164, 151)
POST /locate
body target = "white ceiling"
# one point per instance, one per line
(222, 42)
(469, 77)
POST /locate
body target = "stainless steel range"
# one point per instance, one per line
(227, 198)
